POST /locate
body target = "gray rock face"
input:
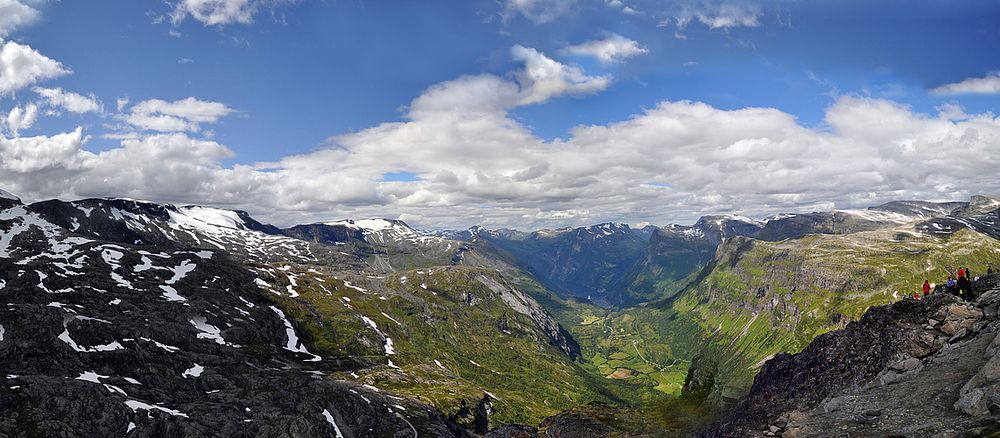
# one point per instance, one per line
(524, 304)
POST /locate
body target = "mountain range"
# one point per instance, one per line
(132, 318)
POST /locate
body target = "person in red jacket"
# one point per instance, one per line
(961, 272)
(927, 287)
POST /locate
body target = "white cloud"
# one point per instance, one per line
(32, 156)
(538, 11)
(540, 79)
(168, 167)
(21, 66)
(219, 12)
(21, 118)
(543, 78)
(614, 48)
(989, 84)
(715, 15)
(476, 163)
(69, 101)
(14, 14)
(180, 115)
(212, 12)
(729, 15)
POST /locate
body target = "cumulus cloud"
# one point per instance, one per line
(69, 101)
(612, 49)
(543, 77)
(220, 12)
(32, 155)
(180, 115)
(21, 66)
(167, 167)
(538, 11)
(14, 14)
(485, 167)
(476, 163)
(989, 84)
(21, 117)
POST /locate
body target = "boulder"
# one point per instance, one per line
(905, 364)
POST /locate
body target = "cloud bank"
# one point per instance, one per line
(475, 163)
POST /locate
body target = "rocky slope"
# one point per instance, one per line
(161, 320)
(104, 338)
(914, 368)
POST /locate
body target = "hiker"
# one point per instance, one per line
(950, 284)
(961, 272)
(968, 273)
(965, 287)
(927, 287)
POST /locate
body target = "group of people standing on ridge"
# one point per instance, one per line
(959, 284)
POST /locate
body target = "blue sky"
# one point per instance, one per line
(291, 75)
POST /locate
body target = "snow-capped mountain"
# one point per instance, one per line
(129, 318)
(140, 222)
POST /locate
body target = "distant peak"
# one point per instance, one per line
(9, 196)
(609, 226)
(984, 200)
(370, 225)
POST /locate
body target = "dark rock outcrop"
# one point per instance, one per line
(101, 337)
(913, 368)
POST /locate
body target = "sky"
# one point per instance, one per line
(509, 113)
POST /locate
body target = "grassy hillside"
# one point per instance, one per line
(453, 339)
(760, 298)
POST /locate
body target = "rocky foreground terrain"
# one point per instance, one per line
(927, 368)
(101, 338)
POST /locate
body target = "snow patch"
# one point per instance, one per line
(329, 419)
(65, 337)
(194, 371)
(135, 405)
(348, 284)
(7, 195)
(90, 376)
(390, 318)
(181, 271)
(293, 344)
(171, 294)
(207, 331)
